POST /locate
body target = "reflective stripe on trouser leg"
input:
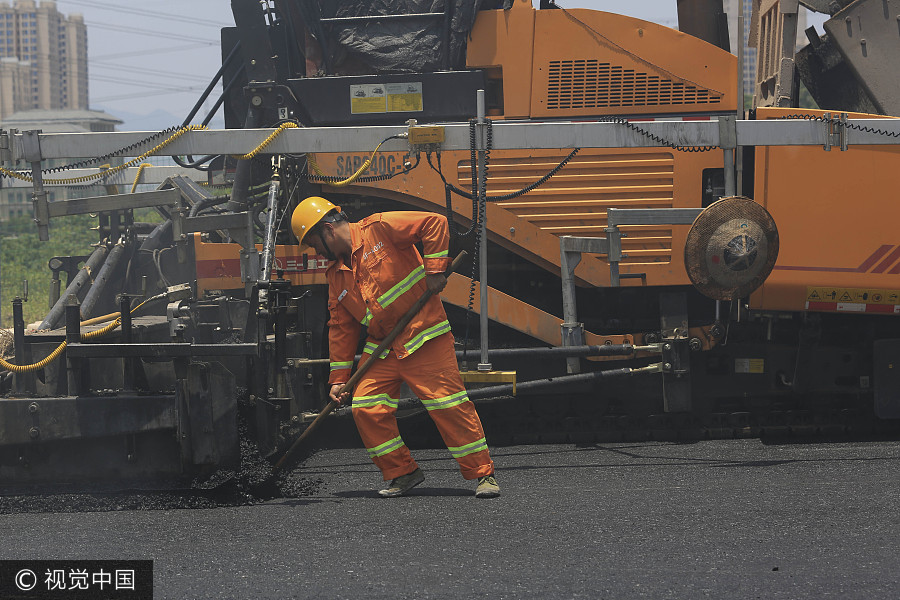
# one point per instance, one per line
(433, 375)
(374, 408)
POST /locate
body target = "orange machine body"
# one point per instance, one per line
(576, 64)
(840, 249)
(581, 64)
(218, 266)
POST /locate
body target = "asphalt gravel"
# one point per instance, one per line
(708, 519)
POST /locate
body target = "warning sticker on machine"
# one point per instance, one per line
(386, 97)
(404, 97)
(853, 299)
(749, 365)
(368, 98)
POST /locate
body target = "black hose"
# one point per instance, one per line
(101, 279)
(225, 90)
(196, 164)
(53, 318)
(207, 203)
(242, 173)
(155, 239)
(142, 228)
(212, 84)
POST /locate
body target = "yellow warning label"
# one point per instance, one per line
(404, 97)
(367, 105)
(368, 98)
(852, 295)
(750, 365)
(371, 98)
(404, 103)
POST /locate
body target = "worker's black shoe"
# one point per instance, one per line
(487, 487)
(401, 485)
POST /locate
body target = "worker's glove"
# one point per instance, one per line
(436, 282)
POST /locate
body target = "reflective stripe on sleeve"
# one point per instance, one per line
(410, 280)
(429, 334)
(445, 402)
(386, 448)
(369, 401)
(460, 451)
(336, 366)
(443, 254)
(367, 318)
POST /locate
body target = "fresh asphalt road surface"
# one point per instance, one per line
(712, 519)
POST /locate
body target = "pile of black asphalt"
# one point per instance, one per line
(254, 481)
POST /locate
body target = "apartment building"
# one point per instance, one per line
(43, 58)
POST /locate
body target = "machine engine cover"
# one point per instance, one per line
(731, 248)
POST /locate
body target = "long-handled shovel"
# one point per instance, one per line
(361, 370)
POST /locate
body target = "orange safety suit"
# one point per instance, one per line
(384, 280)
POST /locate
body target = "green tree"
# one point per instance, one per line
(24, 257)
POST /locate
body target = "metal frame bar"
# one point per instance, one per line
(571, 248)
(233, 221)
(31, 146)
(639, 216)
(95, 204)
(652, 216)
(159, 350)
(481, 141)
(570, 251)
(506, 136)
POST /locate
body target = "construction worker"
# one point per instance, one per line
(376, 277)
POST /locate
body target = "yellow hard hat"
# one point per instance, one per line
(308, 213)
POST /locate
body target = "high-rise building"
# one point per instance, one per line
(43, 58)
(750, 54)
(749, 67)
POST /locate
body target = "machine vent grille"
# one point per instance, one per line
(575, 84)
(575, 201)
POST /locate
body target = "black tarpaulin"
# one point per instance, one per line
(380, 46)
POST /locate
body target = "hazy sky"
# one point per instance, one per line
(160, 55)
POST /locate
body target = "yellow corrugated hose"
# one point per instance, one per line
(138, 176)
(362, 169)
(267, 141)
